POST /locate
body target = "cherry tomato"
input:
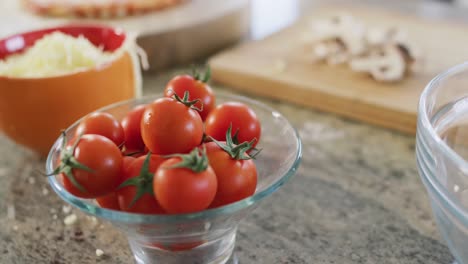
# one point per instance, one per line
(136, 153)
(146, 204)
(111, 201)
(197, 89)
(243, 119)
(103, 124)
(182, 190)
(237, 179)
(209, 147)
(103, 160)
(169, 127)
(132, 129)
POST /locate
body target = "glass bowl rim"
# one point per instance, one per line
(428, 130)
(119, 216)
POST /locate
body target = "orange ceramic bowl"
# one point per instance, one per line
(33, 111)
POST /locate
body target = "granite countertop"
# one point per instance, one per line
(356, 198)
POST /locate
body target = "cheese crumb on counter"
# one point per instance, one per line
(93, 220)
(99, 252)
(66, 209)
(70, 219)
(31, 180)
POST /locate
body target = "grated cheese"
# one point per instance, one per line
(55, 54)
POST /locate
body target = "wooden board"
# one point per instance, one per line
(172, 36)
(251, 68)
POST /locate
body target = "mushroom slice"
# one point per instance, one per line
(413, 56)
(328, 48)
(388, 65)
(344, 28)
(380, 36)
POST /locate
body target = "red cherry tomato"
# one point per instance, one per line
(104, 160)
(111, 201)
(181, 190)
(169, 127)
(146, 204)
(197, 90)
(103, 124)
(243, 120)
(131, 125)
(237, 179)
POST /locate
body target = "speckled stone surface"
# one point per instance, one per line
(356, 198)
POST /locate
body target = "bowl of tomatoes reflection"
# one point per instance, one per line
(162, 204)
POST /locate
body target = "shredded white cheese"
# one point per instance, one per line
(55, 54)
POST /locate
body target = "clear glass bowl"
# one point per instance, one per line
(442, 154)
(208, 236)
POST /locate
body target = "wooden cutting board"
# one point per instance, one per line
(253, 68)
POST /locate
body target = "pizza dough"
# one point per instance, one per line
(97, 8)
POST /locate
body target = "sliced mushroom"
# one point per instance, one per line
(329, 48)
(353, 38)
(413, 56)
(385, 53)
(338, 58)
(321, 51)
(380, 36)
(345, 29)
(388, 66)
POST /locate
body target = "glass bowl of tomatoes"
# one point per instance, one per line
(163, 201)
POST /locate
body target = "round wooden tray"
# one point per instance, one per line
(172, 36)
